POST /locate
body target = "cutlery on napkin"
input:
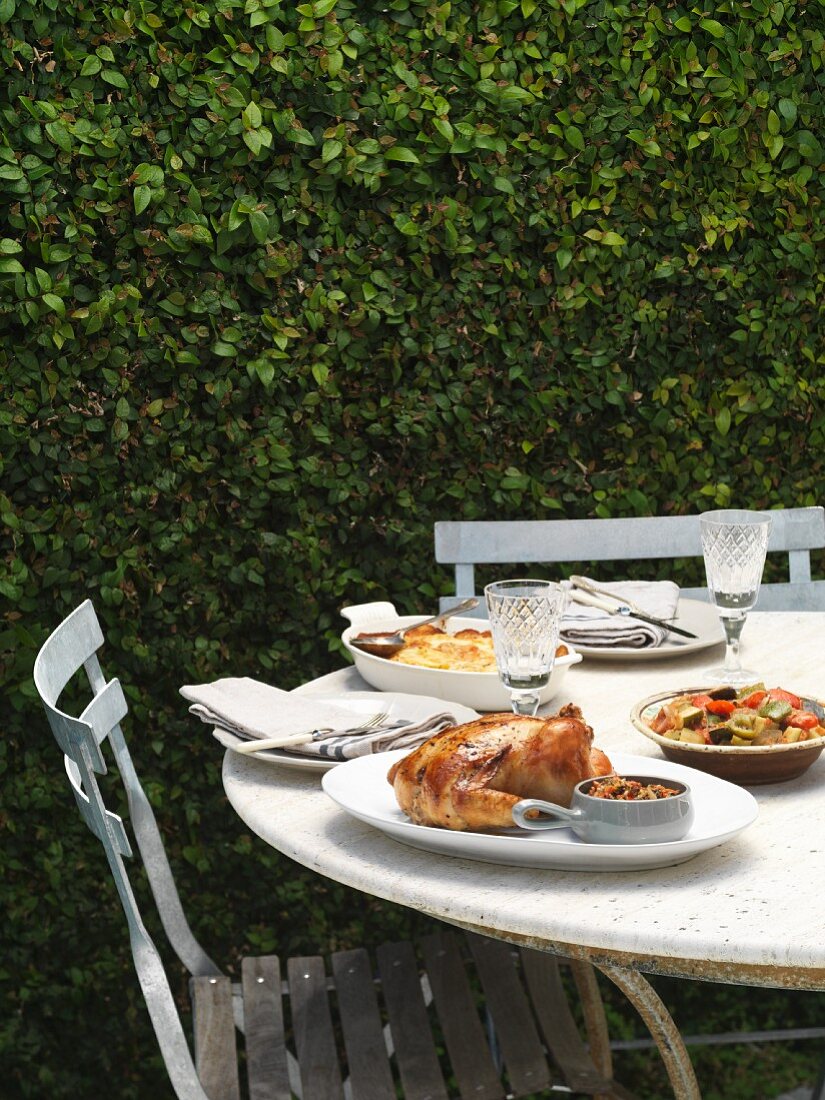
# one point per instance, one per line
(594, 619)
(253, 711)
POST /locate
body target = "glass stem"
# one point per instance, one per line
(733, 632)
(524, 702)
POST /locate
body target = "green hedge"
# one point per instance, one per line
(281, 285)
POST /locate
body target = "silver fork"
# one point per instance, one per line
(262, 743)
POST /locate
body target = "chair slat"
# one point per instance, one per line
(618, 539)
(566, 540)
(464, 1035)
(552, 1009)
(369, 1067)
(216, 1056)
(106, 825)
(781, 596)
(266, 1057)
(415, 1052)
(66, 649)
(312, 1026)
(106, 710)
(518, 1037)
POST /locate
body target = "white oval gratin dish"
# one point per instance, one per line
(482, 691)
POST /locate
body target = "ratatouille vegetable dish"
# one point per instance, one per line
(755, 715)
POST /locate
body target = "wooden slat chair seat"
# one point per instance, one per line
(303, 1007)
(464, 544)
(459, 1016)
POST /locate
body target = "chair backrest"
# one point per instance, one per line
(71, 647)
(465, 544)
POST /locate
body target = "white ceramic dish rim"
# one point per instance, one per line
(698, 619)
(573, 657)
(638, 720)
(362, 703)
(556, 849)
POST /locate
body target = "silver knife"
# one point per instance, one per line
(584, 592)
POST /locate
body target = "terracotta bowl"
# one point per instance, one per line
(747, 765)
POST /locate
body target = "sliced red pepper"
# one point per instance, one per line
(661, 723)
(701, 700)
(802, 719)
(785, 697)
(722, 707)
(755, 700)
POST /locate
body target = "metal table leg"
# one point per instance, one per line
(660, 1024)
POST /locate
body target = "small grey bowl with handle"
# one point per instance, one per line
(612, 820)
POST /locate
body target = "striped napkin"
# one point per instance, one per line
(249, 709)
(590, 626)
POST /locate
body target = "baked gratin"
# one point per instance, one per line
(465, 651)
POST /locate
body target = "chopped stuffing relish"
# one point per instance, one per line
(628, 790)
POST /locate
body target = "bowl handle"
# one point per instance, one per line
(362, 614)
(562, 816)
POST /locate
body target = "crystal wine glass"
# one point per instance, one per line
(734, 544)
(525, 617)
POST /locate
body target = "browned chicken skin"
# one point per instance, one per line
(471, 776)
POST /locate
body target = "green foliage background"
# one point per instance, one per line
(281, 285)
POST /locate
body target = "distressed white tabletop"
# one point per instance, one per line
(747, 911)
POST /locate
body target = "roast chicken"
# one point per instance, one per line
(471, 776)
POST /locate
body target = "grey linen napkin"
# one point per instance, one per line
(249, 709)
(590, 626)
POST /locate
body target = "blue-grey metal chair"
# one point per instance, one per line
(467, 543)
(285, 1009)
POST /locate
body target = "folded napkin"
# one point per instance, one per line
(251, 710)
(590, 626)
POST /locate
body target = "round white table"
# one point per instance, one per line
(744, 912)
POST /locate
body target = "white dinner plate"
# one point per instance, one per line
(722, 810)
(410, 708)
(701, 619)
